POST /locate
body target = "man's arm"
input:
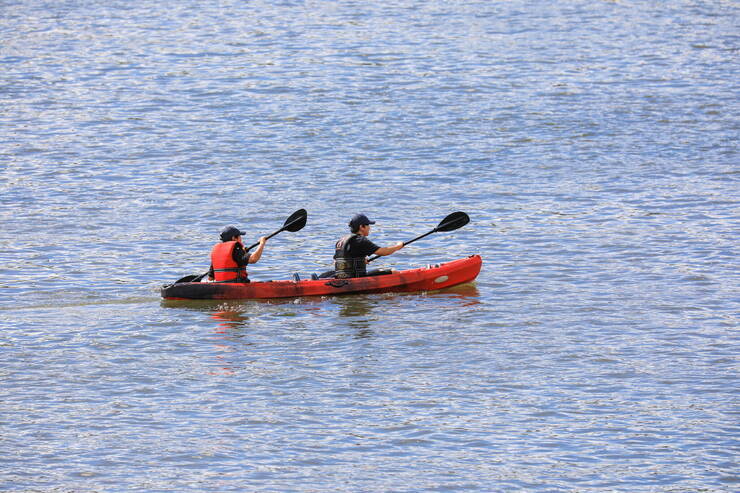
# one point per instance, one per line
(370, 248)
(253, 258)
(383, 251)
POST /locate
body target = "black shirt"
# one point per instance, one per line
(360, 246)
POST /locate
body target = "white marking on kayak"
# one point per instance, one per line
(441, 279)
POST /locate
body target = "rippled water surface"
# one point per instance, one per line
(593, 144)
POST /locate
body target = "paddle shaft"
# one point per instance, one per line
(406, 243)
(456, 220)
(267, 238)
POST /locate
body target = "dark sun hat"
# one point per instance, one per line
(229, 232)
(359, 220)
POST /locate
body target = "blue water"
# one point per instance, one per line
(593, 144)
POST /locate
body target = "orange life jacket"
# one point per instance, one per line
(225, 269)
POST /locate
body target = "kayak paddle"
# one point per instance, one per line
(454, 221)
(294, 223)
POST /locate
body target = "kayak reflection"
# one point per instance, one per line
(356, 310)
(229, 320)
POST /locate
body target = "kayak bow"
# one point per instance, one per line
(428, 278)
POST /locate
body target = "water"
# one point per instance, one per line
(593, 144)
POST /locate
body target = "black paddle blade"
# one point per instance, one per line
(454, 221)
(191, 278)
(296, 221)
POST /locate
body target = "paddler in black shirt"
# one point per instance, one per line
(350, 257)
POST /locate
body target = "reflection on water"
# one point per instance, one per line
(355, 312)
(229, 340)
(359, 311)
(230, 319)
(467, 292)
(198, 305)
(354, 306)
(351, 304)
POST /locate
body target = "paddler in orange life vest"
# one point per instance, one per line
(351, 251)
(229, 259)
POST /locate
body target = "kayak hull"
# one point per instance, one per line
(428, 278)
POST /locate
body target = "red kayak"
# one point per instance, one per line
(428, 278)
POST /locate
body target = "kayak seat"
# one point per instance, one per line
(314, 277)
(296, 277)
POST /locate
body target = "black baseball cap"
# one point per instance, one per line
(359, 220)
(229, 232)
